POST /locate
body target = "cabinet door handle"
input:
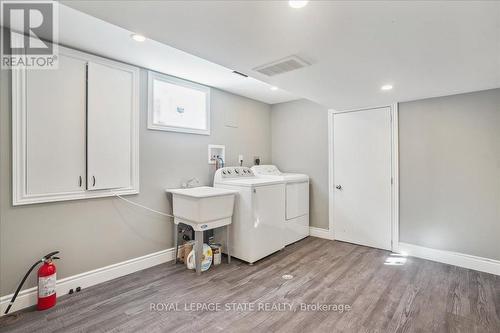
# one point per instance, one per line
(93, 181)
(80, 181)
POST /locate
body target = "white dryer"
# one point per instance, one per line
(259, 213)
(296, 202)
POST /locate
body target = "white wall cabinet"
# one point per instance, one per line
(55, 129)
(110, 109)
(75, 130)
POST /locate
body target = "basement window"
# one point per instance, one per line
(177, 105)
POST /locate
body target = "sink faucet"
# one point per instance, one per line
(190, 182)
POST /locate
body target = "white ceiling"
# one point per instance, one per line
(424, 49)
(82, 31)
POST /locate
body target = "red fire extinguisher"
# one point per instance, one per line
(46, 282)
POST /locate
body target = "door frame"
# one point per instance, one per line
(394, 172)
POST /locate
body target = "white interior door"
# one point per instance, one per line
(109, 121)
(362, 177)
(55, 128)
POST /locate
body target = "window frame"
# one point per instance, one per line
(154, 76)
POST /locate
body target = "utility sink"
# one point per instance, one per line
(200, 206)
(203, 208)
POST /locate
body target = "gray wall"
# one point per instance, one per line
(99, 232)
(300, 144)
(449, 167)
(450, 173)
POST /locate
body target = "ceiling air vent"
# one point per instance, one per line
(281, 66)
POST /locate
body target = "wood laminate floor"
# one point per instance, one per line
(414, 296)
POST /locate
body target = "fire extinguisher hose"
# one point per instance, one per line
(45, 257)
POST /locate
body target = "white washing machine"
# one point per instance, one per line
(296, 202)
(259, 213)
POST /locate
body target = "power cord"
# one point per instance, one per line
(143, 207)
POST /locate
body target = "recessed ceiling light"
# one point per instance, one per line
(274, 88)
(138, 38)
(297, 3)
(386, 87)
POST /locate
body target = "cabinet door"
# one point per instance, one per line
(55, 129)
(110, 104)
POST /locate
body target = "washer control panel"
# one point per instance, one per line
(235, 172)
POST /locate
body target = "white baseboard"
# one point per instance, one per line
(452, 258)
(28, 297)
(320, 233)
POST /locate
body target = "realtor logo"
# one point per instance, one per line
(28, 33)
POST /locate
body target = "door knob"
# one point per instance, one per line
(338, 187)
